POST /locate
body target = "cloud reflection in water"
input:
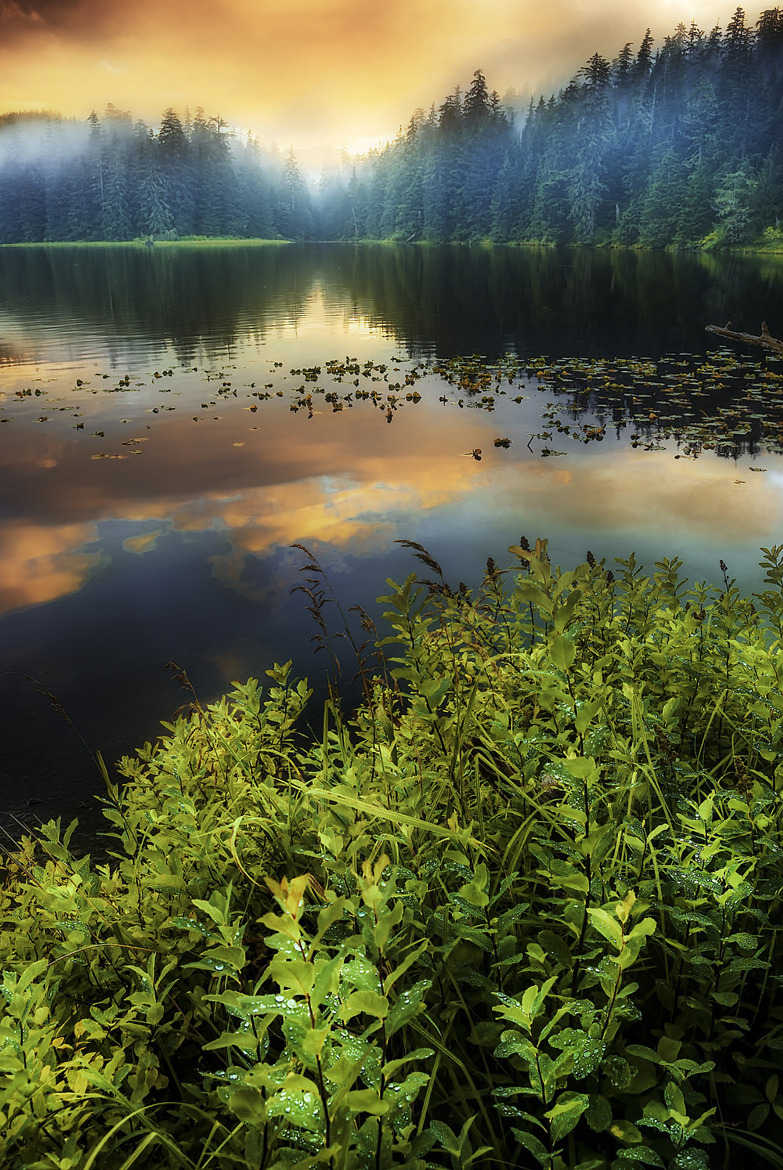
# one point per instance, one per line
(353, 489)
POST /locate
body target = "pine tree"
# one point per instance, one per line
(738, 39)
(769, 35)
(596, 72)
(644, 56)
(735, 195)
(295, 217)
(476, 107)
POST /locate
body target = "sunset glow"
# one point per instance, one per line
(315, 74)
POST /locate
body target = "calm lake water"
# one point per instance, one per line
(160, 454)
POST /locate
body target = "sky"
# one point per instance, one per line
(312, 74)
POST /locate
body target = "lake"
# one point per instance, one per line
(175, 419)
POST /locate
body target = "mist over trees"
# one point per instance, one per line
(677, 144)
(113, 179)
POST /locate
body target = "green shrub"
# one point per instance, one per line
(521, 909)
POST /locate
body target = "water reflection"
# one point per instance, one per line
(41, 562)
(130, 304)
(260, 479)
(155, 471)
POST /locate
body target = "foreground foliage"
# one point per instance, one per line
(521, 910)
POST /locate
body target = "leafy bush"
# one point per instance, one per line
(520, 910)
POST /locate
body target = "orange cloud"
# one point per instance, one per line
(13, 13)
(355, 491)
(306, 71)
(706, 496)
(39, 563)
(282, 485)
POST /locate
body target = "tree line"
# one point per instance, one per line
(116, 179)
(674, 145)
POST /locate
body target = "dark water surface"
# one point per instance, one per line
(159, 455)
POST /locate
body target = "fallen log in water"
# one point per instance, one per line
(764, 339)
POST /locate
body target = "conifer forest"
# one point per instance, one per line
(670, 144)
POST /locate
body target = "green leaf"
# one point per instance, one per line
(405, 1006)
(390, 1068)
(30, 973)
(674, 1099)
(249, 1105)
(581, 768)
(586, 713)
(599, 1113)
(585, 1051)
(385, 924)
(244, 1006)
(562, 614)
(747, 942)
(644, 1154)
(626, 1131)
(643, 929)
(328, 916)
(313, 1041)
(366, 1101)
(758, 1116)
(244, 1041)
(474, 892)
(618, 1070)
(608, 926)
(564, 1116)
(533, 1145)
(295, 975)
(435, 690)
(297, 1108)
(562, 651)
(412, 957)
(217, 915)
(220, 960)
(512, 1043)
(369, 1003)
(327, 979)
(691, 1159)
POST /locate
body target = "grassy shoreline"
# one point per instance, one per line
(772, 247)
(185, 242)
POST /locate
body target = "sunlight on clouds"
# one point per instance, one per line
(309, 72)
(699, 496)
(39, 564)
(144, 543)
(360, 518)
(231, 666)
(361, 513)
(11, 11)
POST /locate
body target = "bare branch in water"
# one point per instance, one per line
(765, 339)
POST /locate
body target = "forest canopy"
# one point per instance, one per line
(115, 179)
(676, 144)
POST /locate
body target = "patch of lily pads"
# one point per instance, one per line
(725, 402)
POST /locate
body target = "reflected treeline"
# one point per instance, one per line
(542, 300)
(187, 298)
(434, 300)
